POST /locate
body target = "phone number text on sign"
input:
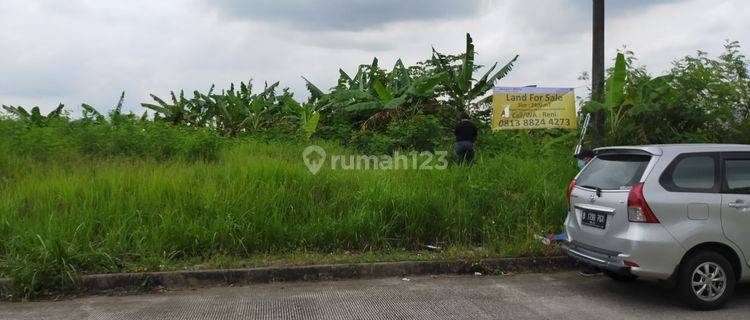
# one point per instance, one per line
(533, 108)
(534, 123)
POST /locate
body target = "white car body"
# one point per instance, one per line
(674, 180)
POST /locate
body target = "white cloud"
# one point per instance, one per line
(89, 51)
(673, 30)
(345, 14)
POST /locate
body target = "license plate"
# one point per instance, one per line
(594, 219)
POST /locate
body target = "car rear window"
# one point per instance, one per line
(613, 172)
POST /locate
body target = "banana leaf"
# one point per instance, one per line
(382, 91)
(467, 67)
(422, 87)
(362, 106)
(616, 82)
(57, 112)
(315, 92)
(310, 125)
(486, 82)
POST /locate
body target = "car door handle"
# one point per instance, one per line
(739, 205)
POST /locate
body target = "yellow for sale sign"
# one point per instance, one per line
(533, 108)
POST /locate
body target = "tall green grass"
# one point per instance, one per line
(69, 140)
(63, 217)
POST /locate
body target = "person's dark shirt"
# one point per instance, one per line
(466, 131)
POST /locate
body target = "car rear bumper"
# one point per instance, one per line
(599, 259)
(649, 248)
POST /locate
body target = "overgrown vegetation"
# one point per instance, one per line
(218, 176)
(701, 99)
(85, 215)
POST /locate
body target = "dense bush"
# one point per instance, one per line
(701, 99)
(419, 132)
(373, 142)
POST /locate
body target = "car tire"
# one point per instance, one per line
(706, 280)
(620, 277)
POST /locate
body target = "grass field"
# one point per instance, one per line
(77, 212)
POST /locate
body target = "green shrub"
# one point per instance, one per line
(418, 132)
(339, 132)
(701, 99)
(373, 142)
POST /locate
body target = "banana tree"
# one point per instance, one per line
(399, 93)
(315, 92)
(181, 111)
(114, 116)
(614, 97)
(34, 117)
(348, 90)
(90, 113)
(394, 100)
(242, 110)
(395, 97)
(461, 88)
(633, 105)
(230, 112)
(360, 88)
(373, 96)
(306, 115)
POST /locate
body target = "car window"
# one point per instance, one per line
(692, 172)
(737, 175)
(695, 172)
(613, 172)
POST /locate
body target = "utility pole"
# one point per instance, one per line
(597, 70)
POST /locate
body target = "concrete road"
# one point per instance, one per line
(525, 296)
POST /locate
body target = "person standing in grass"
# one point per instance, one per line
(466, 134)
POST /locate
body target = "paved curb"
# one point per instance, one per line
(118, 282)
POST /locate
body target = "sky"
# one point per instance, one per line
(88, 51)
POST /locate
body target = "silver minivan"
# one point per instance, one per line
(675, 213)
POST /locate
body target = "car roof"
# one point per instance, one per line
(658, 149)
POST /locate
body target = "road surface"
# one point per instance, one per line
(563, 295)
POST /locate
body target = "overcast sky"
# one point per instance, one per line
(78, 51)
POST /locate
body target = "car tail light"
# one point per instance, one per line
(570, 189)
(638, 209)
(629, 263)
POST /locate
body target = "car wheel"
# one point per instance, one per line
(706, 280)
(620, 277)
